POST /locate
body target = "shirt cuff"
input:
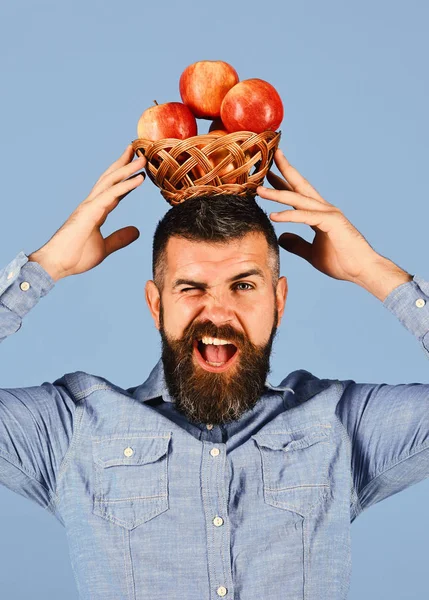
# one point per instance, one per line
(409, 302)
(23, 283)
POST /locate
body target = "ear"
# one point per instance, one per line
(281, 295)
(153, 300)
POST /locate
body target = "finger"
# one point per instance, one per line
(296, 245)
(121, 238)
(125, 158)
(278, 183)
(118, 190)
(296, 180)
(322, 220)
(290, 198)
(103, 204)
(132, 177)
(117, 175)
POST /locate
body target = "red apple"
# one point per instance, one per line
(168, 120)
(252, 105)
(217, 125)
(204, 84)
(219, 131)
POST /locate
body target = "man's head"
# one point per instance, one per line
(216, 275)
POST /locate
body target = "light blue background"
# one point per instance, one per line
(75, 77)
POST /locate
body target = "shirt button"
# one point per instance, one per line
(25, 286)
(10, 275)
(221, 591)
(420, 303)
(214, 451)
(128, 451)
(218, 521)
(209, 426)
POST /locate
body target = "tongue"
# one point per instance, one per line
(221, 353)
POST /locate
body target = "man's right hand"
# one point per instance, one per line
(78, 245)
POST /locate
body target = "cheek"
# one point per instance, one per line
(260, 320)
(177, 316)
(260, 328)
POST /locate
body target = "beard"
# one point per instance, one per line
(217, 398)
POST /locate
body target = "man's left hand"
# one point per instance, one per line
(338, 248)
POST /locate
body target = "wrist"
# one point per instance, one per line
(383, 277)
(47, 264)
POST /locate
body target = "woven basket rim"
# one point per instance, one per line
(198, 137)
(211, 162)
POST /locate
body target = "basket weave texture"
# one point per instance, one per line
(211, 163)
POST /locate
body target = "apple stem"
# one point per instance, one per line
(156, 102)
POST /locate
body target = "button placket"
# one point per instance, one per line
(215, 504)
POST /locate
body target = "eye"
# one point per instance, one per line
(244, 283)
(188, 289)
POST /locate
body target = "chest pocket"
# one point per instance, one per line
(295, 467)
(131, 477)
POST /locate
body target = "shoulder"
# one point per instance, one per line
(80, 384)
(302, 380)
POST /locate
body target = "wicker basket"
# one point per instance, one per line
(209, 164)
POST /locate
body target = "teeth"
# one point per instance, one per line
(214, 341)
(214, 364)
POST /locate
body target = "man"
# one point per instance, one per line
(207, 481)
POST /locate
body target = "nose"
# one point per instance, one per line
(217, 309)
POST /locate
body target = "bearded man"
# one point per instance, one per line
(206, 480)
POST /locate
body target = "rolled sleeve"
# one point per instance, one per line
(409, 302)
(22, 284)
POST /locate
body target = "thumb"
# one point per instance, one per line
(121, 238)
(296, 245)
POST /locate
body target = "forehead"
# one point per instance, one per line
(208, 258)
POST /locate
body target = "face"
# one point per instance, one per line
(217, 316)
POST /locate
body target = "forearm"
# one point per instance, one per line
(45, 263)
(383, 277)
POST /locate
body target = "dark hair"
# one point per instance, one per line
(215, 219)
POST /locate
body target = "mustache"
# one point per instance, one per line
(209, 329)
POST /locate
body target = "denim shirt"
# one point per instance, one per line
(260, 508)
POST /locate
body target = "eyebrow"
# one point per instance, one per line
(256, 271)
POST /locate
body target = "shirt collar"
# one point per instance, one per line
(155, 386)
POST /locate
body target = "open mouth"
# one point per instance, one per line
(215, 357)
